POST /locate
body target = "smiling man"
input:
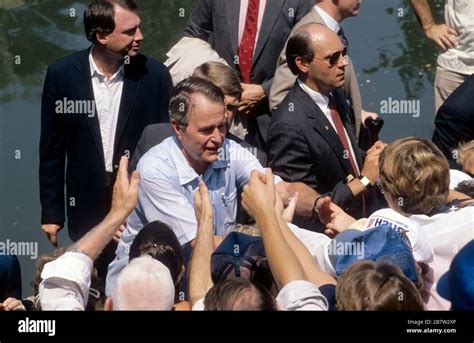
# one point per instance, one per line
(120, 92)
(311, 138)
(171, 171)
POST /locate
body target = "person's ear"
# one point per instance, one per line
(108, 306)
(302, 65)
(178, 130)
(101, 38)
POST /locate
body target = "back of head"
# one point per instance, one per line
(238, 294)
(466, 157)
(416, 174)
(145, 284)
(376, 286)
(222, 76)
(99, 17)
(157, 240)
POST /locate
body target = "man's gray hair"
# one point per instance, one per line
(145, 284)
(180, 103)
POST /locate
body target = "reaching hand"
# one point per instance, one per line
(286, 213)
(12, 304)
(203, 206)
(125, 193)
(258, 197)
(443, 35)
(333, 217)
(119, 232)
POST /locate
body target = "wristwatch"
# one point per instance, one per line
(365, 181)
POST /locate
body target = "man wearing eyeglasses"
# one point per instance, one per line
(311, 138)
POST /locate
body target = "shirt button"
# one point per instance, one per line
(116, 166)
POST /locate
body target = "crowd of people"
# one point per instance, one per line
(234, 176)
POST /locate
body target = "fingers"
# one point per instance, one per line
(53, 238)
(12, 304)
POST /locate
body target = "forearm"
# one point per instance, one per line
(313, 272)
(284, 264)
(423, 13)
(306, 198)
(200, 265)
(97, 239)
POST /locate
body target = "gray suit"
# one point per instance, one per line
(221, 17)
(284, 79)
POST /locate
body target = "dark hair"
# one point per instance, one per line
(160, 242)
(99, 16)
(239, 294)
(299, 45)
(180, 97)
(466, 187)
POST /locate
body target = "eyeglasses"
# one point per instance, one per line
(334, 57)
(379, 185)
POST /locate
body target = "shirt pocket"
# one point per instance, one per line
(228, 210)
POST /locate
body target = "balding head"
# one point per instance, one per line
(145, 284)
(314, 53)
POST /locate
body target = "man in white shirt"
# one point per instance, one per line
(95, 106)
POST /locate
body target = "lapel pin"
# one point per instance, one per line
(327, 128)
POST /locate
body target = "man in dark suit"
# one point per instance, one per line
(95, 106)
(454, 123)
(249, 35)
(311, 138)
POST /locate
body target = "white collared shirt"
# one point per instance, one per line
(107, 96)
(167, 188)
(330, 22)
(322, 102)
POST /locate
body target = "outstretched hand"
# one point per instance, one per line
(258, 197)
(203, 206)
(333, 217)
(125, 193)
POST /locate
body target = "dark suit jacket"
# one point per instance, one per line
(454, 123)
(76, 137)
(222, 19)
(303, 147)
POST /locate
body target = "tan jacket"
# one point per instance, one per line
(284, 79)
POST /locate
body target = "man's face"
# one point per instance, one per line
(326, 71)
(126, 38)
(205, 132)
(349, 8)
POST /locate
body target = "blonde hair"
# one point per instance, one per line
(416, 173)
(222, 76)
(465, 154)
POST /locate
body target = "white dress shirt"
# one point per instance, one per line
(107, 96)
(330, 22)
(322, 102)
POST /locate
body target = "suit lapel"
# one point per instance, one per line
(322, 125)
(131, 84)
(83, 84)
(272, 11)
(232, 8)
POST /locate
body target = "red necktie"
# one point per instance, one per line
(336, 118)
(247, 44)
